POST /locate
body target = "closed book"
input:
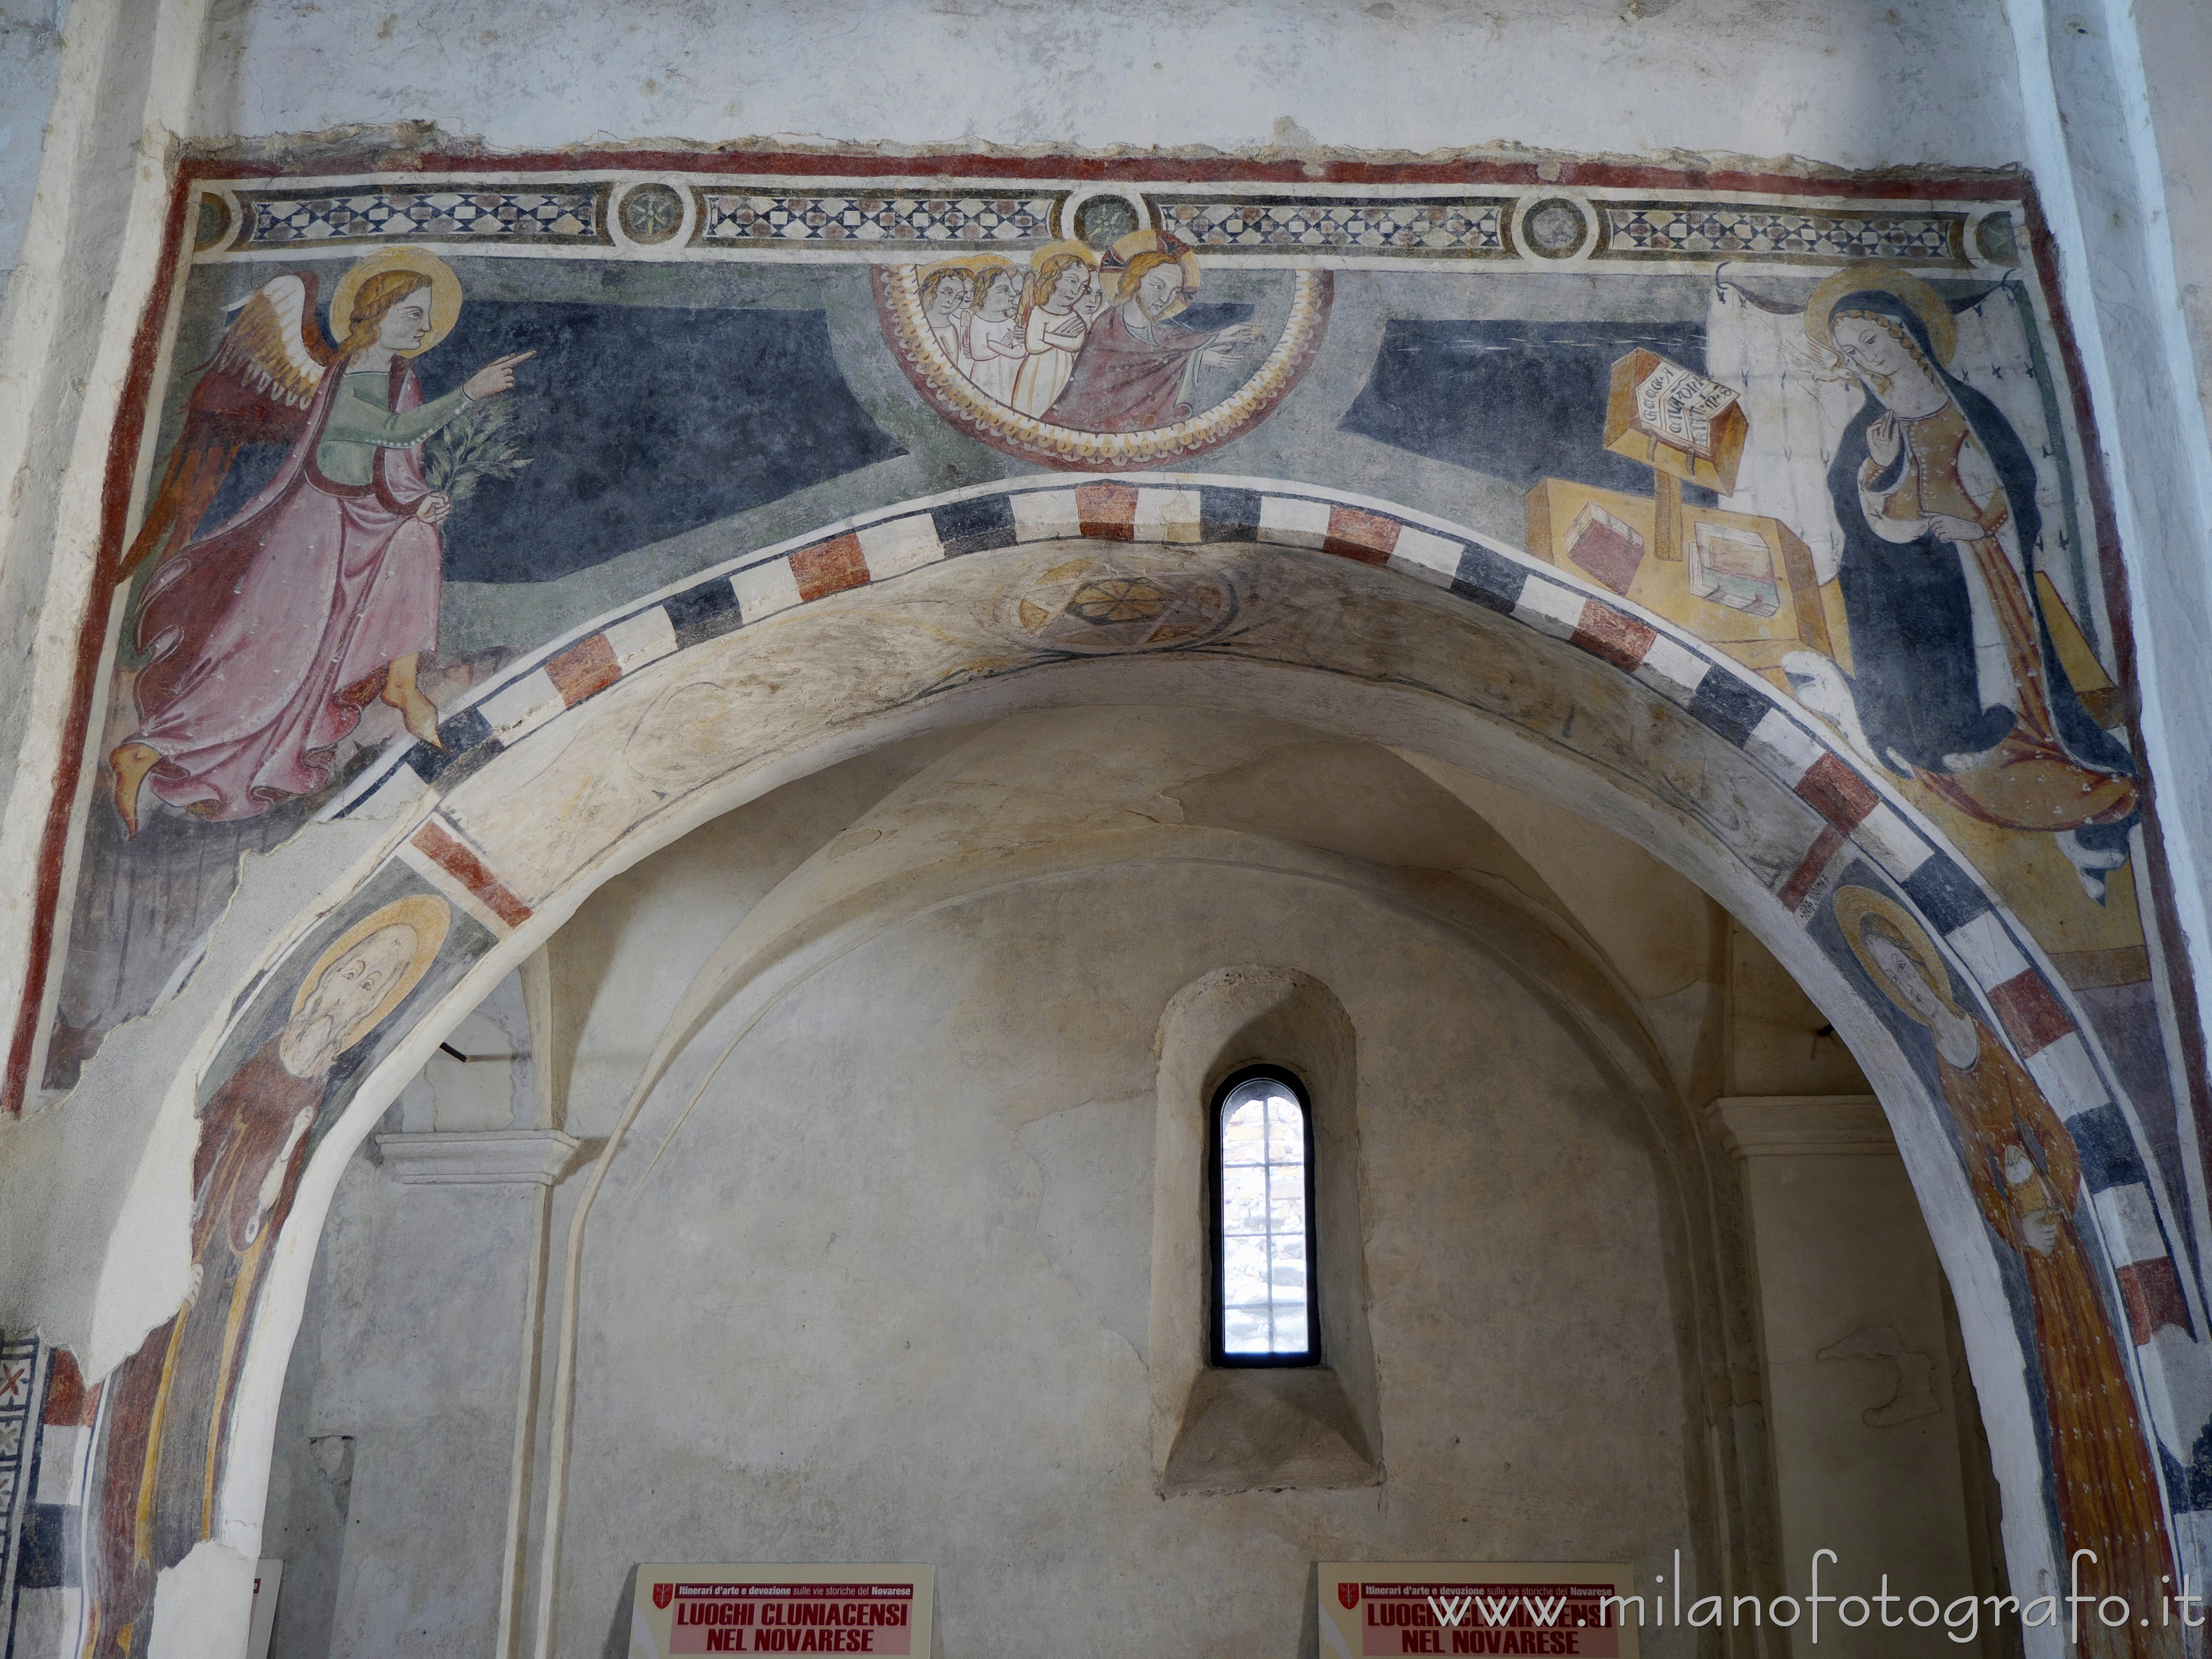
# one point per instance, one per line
(1734, 567)
(1604, 547)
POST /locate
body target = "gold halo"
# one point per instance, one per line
(445, 291)
(980, 268)
(1854, 907)
(1880, 276)
(965, 267)
(1148, 241)
(1052, 250)
(421, 913)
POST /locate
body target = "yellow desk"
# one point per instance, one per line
(1800, 621)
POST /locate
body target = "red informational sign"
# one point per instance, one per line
(1447, 1608)
(753, 1609)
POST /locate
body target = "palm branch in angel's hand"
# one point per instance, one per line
(483, 441)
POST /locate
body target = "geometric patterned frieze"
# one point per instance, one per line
(1460, 225)
(948, 220)
(753, 214)
(560, 214)
(1675, 230)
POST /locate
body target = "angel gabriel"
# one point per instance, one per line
(265, 637)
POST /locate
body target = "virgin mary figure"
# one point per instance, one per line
(266, 637)
(1955, 677)
(2026, 1173)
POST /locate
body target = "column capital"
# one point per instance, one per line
(487, 1157)
(1818, 1125)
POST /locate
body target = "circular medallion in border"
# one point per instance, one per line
(650, 213)
(898, 303)
(1555, 228)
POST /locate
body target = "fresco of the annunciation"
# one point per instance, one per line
(419, 448)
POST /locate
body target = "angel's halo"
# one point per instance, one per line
(445, 291)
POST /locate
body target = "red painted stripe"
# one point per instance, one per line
(1366, 537)
(584, 668)
(1825, 845)
(1107, 511)
(114, 510)
(441, 848)
(829, 567)
(2033, 1015)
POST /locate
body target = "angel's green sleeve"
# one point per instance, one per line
(360, 424)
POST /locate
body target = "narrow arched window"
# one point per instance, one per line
(1263, 1237)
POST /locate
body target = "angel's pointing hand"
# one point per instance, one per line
(495, 377)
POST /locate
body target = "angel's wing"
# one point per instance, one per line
(257, 389)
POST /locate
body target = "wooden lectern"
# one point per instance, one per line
(1686, 428)
(1742, 581)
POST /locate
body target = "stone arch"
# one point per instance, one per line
(1348, 614)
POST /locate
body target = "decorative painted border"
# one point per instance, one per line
(41, 1599)
(954, 396)
(1413, 227)
(566, 215)
(883, 218)
(22, 1385)
(1688, 228)
(956, 220)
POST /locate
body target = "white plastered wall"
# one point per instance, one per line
(30, 63)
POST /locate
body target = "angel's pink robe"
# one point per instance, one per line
(266, 637)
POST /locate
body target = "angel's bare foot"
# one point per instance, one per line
(416, 712)
(132, 761)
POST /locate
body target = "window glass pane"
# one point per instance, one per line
(1263, 1220)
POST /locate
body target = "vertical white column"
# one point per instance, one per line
(1858, 1365)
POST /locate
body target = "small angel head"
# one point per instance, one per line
(999, 293)
(945, 293)
(1060, 280)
